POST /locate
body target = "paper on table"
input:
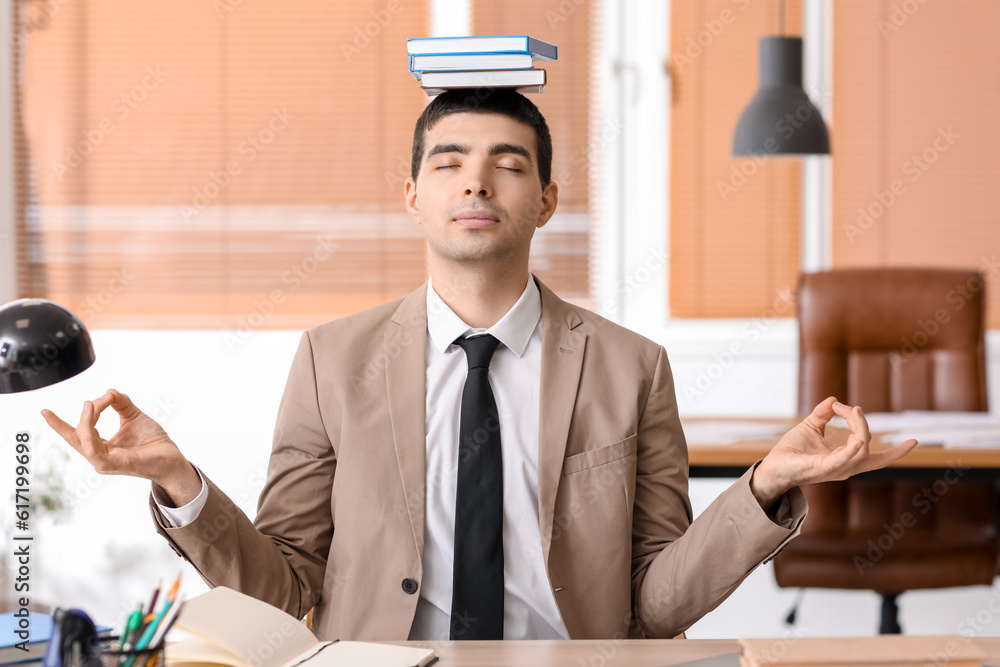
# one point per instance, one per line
(724, 432)
(930, 427)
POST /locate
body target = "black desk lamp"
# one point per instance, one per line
(41, 343)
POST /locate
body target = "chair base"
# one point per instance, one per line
(889, 622)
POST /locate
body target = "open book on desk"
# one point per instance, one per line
(236, 630)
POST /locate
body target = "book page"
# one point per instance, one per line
(259, 634)
(197, 650)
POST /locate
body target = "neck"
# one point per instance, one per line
(479, 295)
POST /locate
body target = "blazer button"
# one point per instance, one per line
(409, 586)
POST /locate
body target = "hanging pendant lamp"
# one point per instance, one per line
(781, 119)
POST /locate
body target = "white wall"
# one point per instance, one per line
(219, 405)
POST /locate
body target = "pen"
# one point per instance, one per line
(156, 594)
(161, 632)
(151, 628)
(131, 627)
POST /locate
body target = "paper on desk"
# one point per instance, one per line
(724, 432)
(930, 427)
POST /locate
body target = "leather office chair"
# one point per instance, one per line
(891, 340)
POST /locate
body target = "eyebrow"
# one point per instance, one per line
(494, 149)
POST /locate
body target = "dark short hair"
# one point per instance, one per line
(505, 101)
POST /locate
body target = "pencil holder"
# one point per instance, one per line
(150, 657)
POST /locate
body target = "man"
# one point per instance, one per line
(479, 459)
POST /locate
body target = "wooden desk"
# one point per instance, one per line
(587, 653)
(926, 461)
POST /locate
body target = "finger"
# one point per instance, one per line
(90, 439)
(100, 405)
(889, 456)
(65, 431)
(855, 418)
(123, 404)
(821, 414)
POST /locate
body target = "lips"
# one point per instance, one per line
(476, 219)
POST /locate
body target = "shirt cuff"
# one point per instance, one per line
(789, 509)
(179, 517)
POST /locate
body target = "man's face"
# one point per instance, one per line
(477, 193)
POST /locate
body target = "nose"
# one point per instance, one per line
(478, 183)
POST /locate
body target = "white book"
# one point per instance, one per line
(524, 80)
(236, 630)
(473, 61)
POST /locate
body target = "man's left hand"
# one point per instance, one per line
(804, 456)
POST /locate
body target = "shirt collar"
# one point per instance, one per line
(513, 330)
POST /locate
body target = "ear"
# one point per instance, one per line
(410, 197)
(550, 199)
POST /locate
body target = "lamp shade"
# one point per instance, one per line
(41, 343)
(781, 119)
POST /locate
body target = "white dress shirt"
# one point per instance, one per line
(530, 610)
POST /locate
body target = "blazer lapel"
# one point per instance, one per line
(562, 360)
(405, 376)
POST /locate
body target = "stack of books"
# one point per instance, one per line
(494, 61)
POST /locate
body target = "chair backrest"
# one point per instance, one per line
(893, 339)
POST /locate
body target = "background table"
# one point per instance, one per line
(601, 653)
(926, 461)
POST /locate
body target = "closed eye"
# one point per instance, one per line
(511, 169)
(446, 166)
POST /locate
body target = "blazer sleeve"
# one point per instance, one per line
(681, 569)
(280, 557)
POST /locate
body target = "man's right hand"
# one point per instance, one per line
(140, 448)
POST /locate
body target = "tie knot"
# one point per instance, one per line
(478, 350)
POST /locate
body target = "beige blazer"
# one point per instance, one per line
(340, 521)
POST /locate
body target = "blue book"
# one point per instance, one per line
(41, 630)
(40, 626)
(475, 61)
(494, 44)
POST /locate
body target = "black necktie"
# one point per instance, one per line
(477, 593)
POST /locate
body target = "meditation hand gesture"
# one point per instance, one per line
(140, 448)
(804, 456)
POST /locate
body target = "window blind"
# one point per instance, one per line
(231, 165)
(734, 222)
(917, 139)
(560, 249)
